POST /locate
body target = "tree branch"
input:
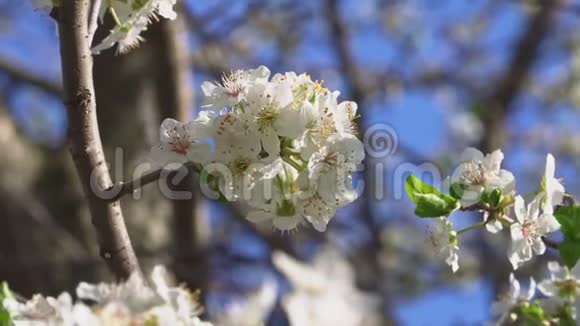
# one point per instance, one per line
(84, 138)
(94, 20)
(23, 75)
(120, 189)
(356, 87)
(527, 49)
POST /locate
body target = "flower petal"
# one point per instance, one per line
(520, 209)
(471, 154)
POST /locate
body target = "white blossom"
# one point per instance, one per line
(561, 288)
(553, 190)
(512, 299)
(324, 293)
(41, 309)
(237, 158)
(127, 37)
(324, 185)
(289, 133)
(181, 143)
(563, 282)
(479, 172)
(494, 225)
(181, 306)
(284, 215)
(131, 19)
(234, 87)
(129, 303)
(444, 240)
(330, 168)
(274, 199)
(528, 230)
(287, 136)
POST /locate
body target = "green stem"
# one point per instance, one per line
(298, 156)
(292, 163)
(472, 227)
(289, 151)
(114, 14)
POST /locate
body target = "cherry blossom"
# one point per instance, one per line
(444, 240)
(553, 189)
(528, 230)
(479, 172)
(512, 299)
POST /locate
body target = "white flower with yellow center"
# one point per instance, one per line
(480, 172)
(319, 121)
(181, 143)
(274, 199)
(330, 168)
(236, 160)
(234, 87)
(528, 230)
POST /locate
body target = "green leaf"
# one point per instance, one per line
(533, 313)
(5, 293)
(457, 189)
(565, 315)
(430, 201)
(569, 219)
(570, 252)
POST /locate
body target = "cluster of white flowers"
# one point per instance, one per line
(129, 303)
(444, 240)
(559, 305)
(131, 18)
(284, 145)
(481, 185)
(325, 293)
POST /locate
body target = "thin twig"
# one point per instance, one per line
(94, 20)
(121, 189)
(526, 51)
(125, 188)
